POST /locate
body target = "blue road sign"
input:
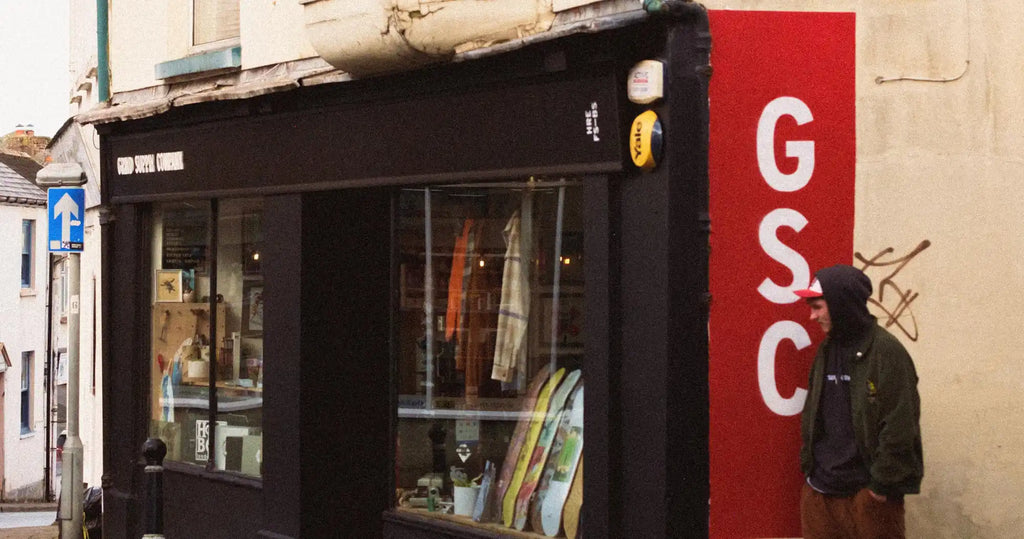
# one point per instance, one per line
(65, 207)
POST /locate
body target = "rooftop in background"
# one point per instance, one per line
(24, 141)
(17, 177)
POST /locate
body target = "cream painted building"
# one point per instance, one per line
(938, 178)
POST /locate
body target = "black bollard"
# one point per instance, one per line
(155, 450)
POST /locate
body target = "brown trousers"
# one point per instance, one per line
(853, 517)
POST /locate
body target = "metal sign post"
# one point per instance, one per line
(66, 212)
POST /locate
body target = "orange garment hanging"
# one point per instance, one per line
(455, 285)
(475, 346)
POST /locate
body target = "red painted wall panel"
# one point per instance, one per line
(782, 158)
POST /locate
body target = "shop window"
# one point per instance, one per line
(490, 358)
(28, 234)
(214, 21)
(207, 379)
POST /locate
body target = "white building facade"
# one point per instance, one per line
(23, 305)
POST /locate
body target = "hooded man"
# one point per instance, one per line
(860, 426)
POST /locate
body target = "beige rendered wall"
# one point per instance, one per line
(940, 162)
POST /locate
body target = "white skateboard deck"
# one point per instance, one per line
(561, 431)
(565, 468)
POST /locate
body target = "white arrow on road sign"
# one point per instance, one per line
(65, 210)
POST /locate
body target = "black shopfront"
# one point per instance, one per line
(331, 301)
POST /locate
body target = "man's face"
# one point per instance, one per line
(819, 313)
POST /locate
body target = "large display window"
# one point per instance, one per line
(207, 367)
(490, 366)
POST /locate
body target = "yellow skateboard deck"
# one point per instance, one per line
(539, 411)
(573, 504)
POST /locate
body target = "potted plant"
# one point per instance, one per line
(465, 491)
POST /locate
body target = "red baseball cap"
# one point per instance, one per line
(814, 291)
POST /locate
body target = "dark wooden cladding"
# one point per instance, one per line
(470, 133)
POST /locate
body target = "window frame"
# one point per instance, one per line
(225, 43)
(27, 358)
(28, 263)
(213, 416)
(569, 288)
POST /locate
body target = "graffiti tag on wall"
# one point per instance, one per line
(892, 299)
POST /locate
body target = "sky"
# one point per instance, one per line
(34, 82)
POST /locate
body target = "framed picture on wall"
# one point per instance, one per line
(564, 329)
(252, 308)
(168, 285)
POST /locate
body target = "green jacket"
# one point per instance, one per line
(886, 411)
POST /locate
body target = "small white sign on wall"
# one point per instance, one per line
(62, 368)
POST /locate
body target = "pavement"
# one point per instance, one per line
(28, 521)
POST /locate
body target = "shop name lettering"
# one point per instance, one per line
(148, 163)
(803, 152)
(202, 439)
(591, 116)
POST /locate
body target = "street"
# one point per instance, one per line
(28, 525)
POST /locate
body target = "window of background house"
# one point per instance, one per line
(196, 363)
(491, 352)
(27, 359)
(28, 233)
(214, 21)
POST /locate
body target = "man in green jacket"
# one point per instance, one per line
(861, 448)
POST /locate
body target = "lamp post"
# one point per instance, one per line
(69, 175)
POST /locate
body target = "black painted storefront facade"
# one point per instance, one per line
(327, 161)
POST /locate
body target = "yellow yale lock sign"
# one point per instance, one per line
(645, 140)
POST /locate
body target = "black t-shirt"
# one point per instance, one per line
(839, 469)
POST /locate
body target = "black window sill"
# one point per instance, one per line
(450, 526)
(220, 476)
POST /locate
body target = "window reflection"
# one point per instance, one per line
(192, 356)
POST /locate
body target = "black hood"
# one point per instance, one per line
(846, 290)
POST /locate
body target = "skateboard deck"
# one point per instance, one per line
(573, 504)
(565, 468)
(562, 430)
(486, 483)
(493, 510)
(541, 450)
(508, 504)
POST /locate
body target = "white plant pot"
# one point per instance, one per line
(465, 500)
